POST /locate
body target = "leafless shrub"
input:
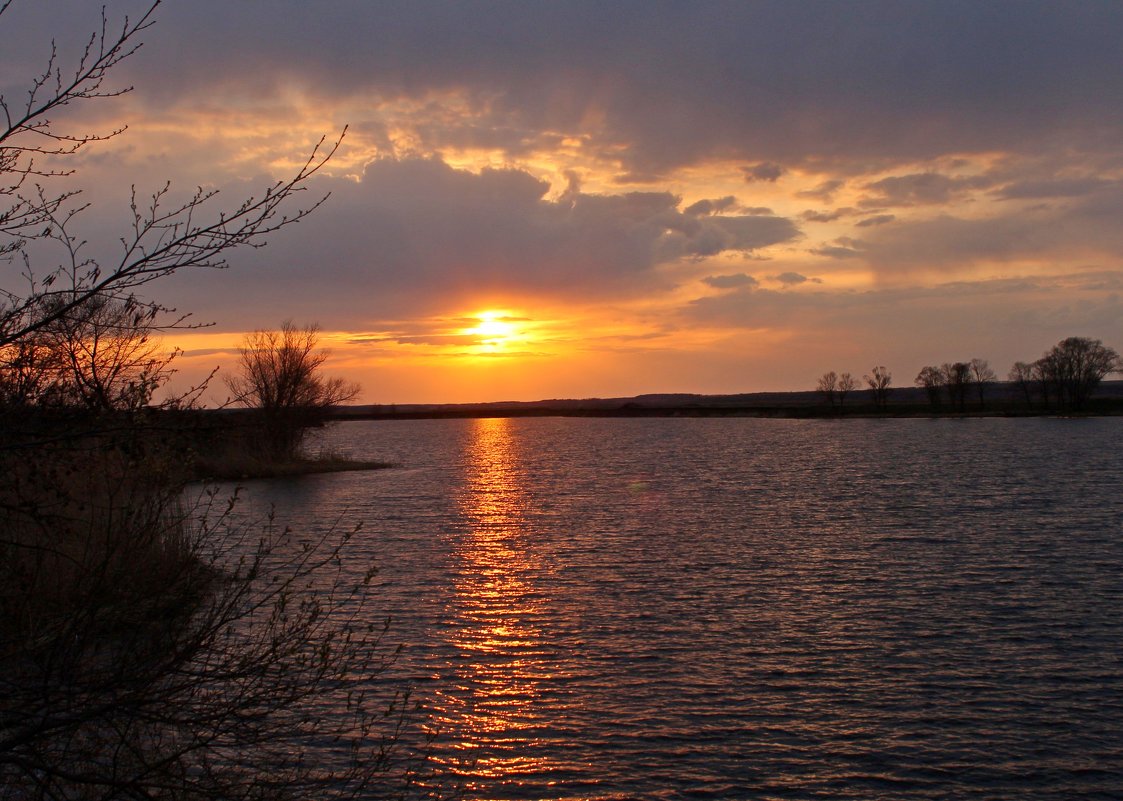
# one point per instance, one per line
(281, 377)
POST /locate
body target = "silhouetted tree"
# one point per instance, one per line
(281, 376)
(100, 356)
(29, 374)
(957, 380)
(846, 385)
(1021, 375)
(1045, 372)
(828, 387)
(982, 375)
(1075, 367)
(932, 380)
(879, 380)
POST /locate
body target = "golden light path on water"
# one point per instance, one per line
(496, 702)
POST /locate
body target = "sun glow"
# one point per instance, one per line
(495, 329)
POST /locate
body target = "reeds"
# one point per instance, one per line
(157, 647)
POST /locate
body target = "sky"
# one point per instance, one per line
(591, 199)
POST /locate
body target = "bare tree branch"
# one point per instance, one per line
(28, 131)
(165, 236)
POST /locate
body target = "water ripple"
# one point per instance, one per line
(744, 609)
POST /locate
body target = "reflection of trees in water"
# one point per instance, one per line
(493, 700)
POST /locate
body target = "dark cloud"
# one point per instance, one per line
(927, 188)
(794, 279)
(746, 233)
(706, 207)
(414, 230)
(1054, 188)
(1100, 281)
(730, 281)
(950, 243)
(843, 247)
(877, 219)
(764, 171)
(824, 191)
(1083, 227)
(461, 340)
(769, 83)
(193, 352)
(826, 216)
(837, 252)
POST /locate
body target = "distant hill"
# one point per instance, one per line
(1001, 398)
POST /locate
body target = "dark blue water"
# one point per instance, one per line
(743, 609)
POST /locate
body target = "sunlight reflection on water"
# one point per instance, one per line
(750, 608)
(494, 696)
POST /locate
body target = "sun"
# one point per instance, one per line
(494, 330)
(490, 328)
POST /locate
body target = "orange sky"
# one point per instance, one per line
(668, 198)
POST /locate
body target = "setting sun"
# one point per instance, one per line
(494, 329)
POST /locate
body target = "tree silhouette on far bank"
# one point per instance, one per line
(878, 381)
(1064, 379)
(846, 385)
(983, 376)
(1023, 375)
(931, 379)
(834, 388)
(1073, 368)
(957, 380)
(828, 387)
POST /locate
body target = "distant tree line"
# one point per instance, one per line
(1068, 373)
(1064, 378)
(957, 382)
(834, 388)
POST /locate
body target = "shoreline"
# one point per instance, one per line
(252, 469)
(777, 412)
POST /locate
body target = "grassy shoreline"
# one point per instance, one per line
(248, 467)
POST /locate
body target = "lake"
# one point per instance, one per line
(746, 608)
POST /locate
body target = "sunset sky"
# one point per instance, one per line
(541, 200)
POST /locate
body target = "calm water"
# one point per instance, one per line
(748, 609)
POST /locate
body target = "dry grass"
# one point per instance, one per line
(94, 543)
(143, 645)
